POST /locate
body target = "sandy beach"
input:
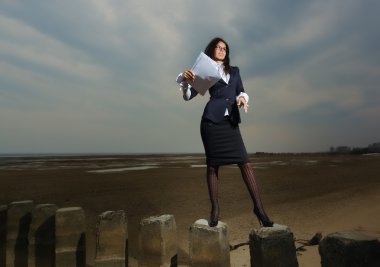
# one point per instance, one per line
(309, 193)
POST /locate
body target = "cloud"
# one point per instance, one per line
(98, 76)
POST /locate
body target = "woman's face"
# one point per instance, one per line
(220, 52)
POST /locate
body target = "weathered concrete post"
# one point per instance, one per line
(349, 249)
(70, 246)
(158, 242)
(112, 240)
(3, 233)
(42, 236)
(272, 247)
(209, 246)
(19, 217)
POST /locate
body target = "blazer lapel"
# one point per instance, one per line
(232, 75)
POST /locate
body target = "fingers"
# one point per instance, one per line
(246, 107)
(189, 75)
(241, 103)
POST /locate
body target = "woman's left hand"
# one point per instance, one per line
(242, 103)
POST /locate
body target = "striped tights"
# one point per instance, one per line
(253, 189)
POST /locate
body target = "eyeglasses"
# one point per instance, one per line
(224, 49)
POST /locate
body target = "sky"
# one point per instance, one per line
(99, 76)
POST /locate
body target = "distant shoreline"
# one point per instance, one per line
(63, 155)
(34, 155)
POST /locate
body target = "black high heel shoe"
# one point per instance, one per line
(263, 219)
(214, 217)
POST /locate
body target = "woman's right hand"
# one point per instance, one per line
(189, 75)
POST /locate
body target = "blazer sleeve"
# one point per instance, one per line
(239, 87)
(188, 96)
(188, 91)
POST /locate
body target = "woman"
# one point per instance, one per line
(220, 132)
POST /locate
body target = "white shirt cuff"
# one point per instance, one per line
(184, 86)
(246, 97)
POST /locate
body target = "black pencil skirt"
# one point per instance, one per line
(223, 143)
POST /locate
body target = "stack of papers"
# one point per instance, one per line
(206, 73)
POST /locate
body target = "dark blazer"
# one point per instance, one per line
(222, 97)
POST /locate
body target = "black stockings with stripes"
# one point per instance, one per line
(249, 180)
(212, 183)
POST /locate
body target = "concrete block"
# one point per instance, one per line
(112, 240)
(158, 242)
(70, 228)
(3, 233)
(19, 217)
(209, 246)
(272, 247)
(42, 236)
(349, 249)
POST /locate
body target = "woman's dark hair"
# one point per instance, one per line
(210, 48)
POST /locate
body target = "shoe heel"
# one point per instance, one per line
(263, 219)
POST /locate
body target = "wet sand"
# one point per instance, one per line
(309, 193)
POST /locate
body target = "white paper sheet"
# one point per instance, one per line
(206, 73)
